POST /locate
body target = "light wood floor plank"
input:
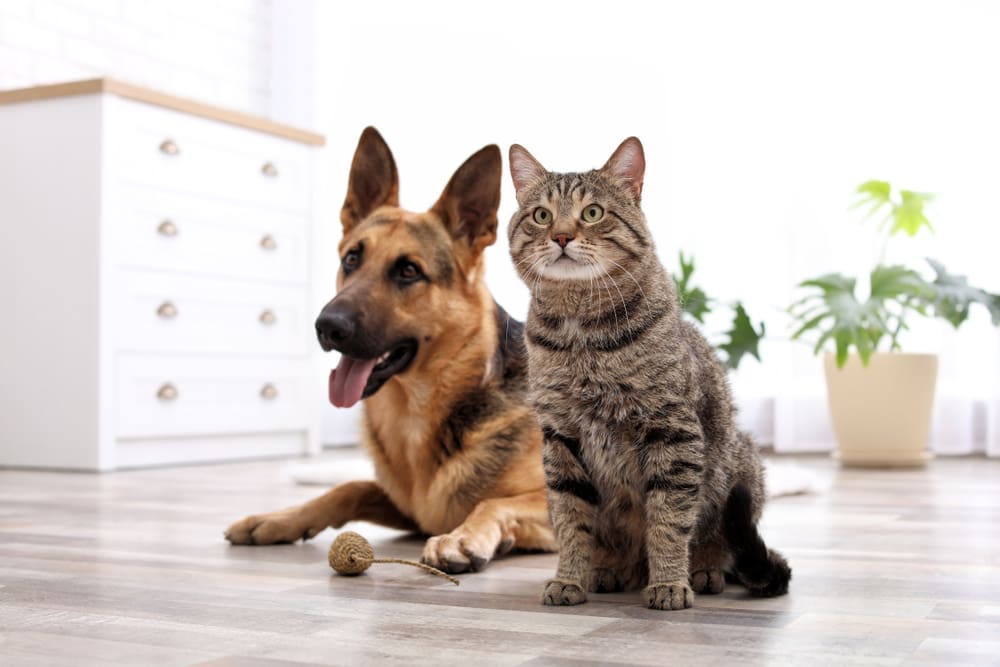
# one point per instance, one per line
(890, 568)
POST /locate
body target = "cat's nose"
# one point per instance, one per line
(562, 239)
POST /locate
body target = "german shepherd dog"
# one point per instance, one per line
(441, 369)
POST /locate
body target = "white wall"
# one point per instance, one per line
(216, 51)
(758, 120)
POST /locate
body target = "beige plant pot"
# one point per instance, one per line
(882, 412)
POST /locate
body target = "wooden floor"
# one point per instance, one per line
(890, 568)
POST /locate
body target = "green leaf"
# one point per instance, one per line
(863, 343)
(695, 304)
(842, 339)
(874, 192)
(909, 215)
(743, 338)
(693, 300)
(827, 335)
(810, 324)
(831, 283)
(687, 266)
(951, 296)
(875, 195)
(896, 281)
(834, 312)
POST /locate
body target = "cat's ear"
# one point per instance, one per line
(524, 169)
(373, 181)
(628, 164)
(468, 205)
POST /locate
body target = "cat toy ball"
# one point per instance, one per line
(351, 554)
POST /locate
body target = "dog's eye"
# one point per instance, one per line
(593, 213)
(542, 215)
(409, 271)
(406, 272)
(351, 261)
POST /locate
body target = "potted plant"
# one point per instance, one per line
(880, 398)
(741, 339)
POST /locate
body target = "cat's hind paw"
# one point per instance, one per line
(676, 595)
(711, 581)
(561, 593)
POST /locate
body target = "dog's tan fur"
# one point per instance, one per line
(456, 449)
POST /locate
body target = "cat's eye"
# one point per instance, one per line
(593, 213)
(542, 215)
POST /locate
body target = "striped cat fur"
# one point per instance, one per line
(651, 485)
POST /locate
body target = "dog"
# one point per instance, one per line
(441, 370)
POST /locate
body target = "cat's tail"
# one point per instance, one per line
(763, 571)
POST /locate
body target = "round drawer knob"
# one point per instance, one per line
(268, 317)
(167, 228)
(269, 170)
(169, 147)
(269, 392)
(167, 392)
(167, 310)
(267, 242)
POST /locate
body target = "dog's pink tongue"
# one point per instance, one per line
(348, 380)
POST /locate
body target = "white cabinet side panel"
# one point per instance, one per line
(49, 208)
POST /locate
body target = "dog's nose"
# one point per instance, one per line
(333, 328)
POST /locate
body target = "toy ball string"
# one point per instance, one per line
(351, 554)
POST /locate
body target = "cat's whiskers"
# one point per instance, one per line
(614, 309)
(637, 285)
(602, 283)
(539, 258)
(535, 259)
(611, 298)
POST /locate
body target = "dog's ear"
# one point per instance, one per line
(373, 182)
(468, 205)
(628, 164)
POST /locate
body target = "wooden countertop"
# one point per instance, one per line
(150, 96)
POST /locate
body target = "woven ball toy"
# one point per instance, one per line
(351, 554)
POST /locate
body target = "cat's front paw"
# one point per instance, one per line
(712, 581)
(676, 595)
(561, 593)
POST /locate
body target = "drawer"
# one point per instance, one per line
(163, 396)
(173, 312)
(151, 229)
(186, 153)
(167, 450)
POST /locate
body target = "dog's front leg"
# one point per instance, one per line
(494, 527)
(351, 501)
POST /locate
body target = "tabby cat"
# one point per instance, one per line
(650, 483)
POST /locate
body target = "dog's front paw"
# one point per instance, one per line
(562, 593)
(676, 595)
(456, 554)
(712, 581)
(274, 528)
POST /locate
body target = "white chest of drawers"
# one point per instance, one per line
(156, 271)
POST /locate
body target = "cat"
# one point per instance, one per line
(650, 483)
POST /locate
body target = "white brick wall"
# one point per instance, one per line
(216, 51)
